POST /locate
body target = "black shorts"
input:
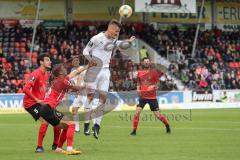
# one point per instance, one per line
(52, 116)
(34, 111)
(153, 103)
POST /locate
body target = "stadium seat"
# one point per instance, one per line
(34, 60)
(6, 44)
(19, 82)
(27, 54)
(235, 65)
(34, 55)
(20, 90)
(16, 50)
(5, 49)
(8, 82)
(231, 65)
(17, 45)
(23, 44)
(22, 49)
(12, 44)
(6, 39)
(4, 60)
(8, 66)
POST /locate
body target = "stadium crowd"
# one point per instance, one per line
(215, 66)
(216, 61)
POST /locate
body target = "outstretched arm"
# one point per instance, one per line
(80, 69)
(125, 44)
(77, 71)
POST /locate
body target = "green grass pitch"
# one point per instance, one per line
(205, 135)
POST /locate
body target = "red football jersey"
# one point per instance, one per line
(57, 91)
(147, 79)
(35, 88)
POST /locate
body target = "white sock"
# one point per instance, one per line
(94, 117)
(76, 121)
(69, 148)
(99, 113)
(87, 110)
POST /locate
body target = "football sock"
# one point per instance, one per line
(135, 122)
(41, 133)
(70, 134)
(62, 138)
(99, 113)
(163, 119)
(87, 110)
(76, 121)
(57, 132)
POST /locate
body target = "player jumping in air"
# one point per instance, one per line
(148, 80)
(99, 51)
(35, 90)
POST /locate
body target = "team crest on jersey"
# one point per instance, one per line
(33, 79)
(109, 46)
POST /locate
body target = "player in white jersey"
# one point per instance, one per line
(99, 51)
(80, 99)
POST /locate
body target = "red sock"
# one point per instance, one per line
(70, 134)
(57, 132)
(163, 119)
(62, 138)
(135, 122)
(41, 133)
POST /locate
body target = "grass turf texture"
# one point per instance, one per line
(207, 134)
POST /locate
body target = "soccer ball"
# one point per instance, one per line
(125, 11)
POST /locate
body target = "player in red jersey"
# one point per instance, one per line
(60, 85)
(148, 80)
(35, 90)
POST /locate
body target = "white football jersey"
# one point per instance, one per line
(100, 48)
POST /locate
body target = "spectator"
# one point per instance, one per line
(143, 53)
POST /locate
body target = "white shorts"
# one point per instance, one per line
(97, 79)
(79, 101)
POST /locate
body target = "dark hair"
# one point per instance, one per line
(74, 57)
(56, 69)
(41, 57)
(115, 22)
(145, 58)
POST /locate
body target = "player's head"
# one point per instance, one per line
(59, 70)
(44, 60)
(114, 28)
(75, 61)
(146, 62)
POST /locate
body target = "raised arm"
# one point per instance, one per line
(80, 69)
(125, 44)
(77, 71)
